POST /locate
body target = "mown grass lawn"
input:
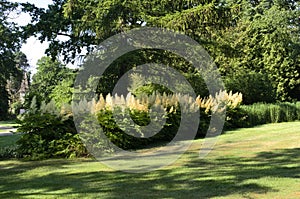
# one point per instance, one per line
(261, 162)
(5, 126)
(8, 123)
(7, 141)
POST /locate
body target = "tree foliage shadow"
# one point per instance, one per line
(196, 178)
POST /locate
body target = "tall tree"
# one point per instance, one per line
(260, 36)
(86, 23)
(9, 45)
(266, 41)
(18, 83)
(50, 73)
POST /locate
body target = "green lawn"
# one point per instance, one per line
(2, 130)
(8, 123)
(6, 141)
(261, 162)
(5, 125)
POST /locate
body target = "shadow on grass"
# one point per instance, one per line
(194, 179)
(5, 127)
(6, 141)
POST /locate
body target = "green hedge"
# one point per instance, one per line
(50, 131)
(167, 133)
(257, 114)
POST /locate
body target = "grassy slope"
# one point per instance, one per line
(261, 162)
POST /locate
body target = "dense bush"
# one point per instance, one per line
(139, 112)
(118, 134)
(255, 86)
(48, 133)
(8, 152)
(235, 118)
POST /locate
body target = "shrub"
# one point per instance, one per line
(261, 113)
(139, 112)
(48, 133)
(256, 87)
(8, 152)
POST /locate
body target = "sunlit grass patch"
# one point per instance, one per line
(261, 162)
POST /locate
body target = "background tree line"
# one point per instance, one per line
(13, 63)
(255, 43)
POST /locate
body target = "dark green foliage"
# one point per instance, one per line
(10, 41)
(3, 103)
(8, 147)
(136, 58)
(48, 136)
(204, 124)
(8, 152)
(87, 23)
(265, 40)
(93, 137)
(166, 134)
(258, 36)
(9, 45)
(122, 139)
(235, 118)
(125, 141)
(255, 87)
